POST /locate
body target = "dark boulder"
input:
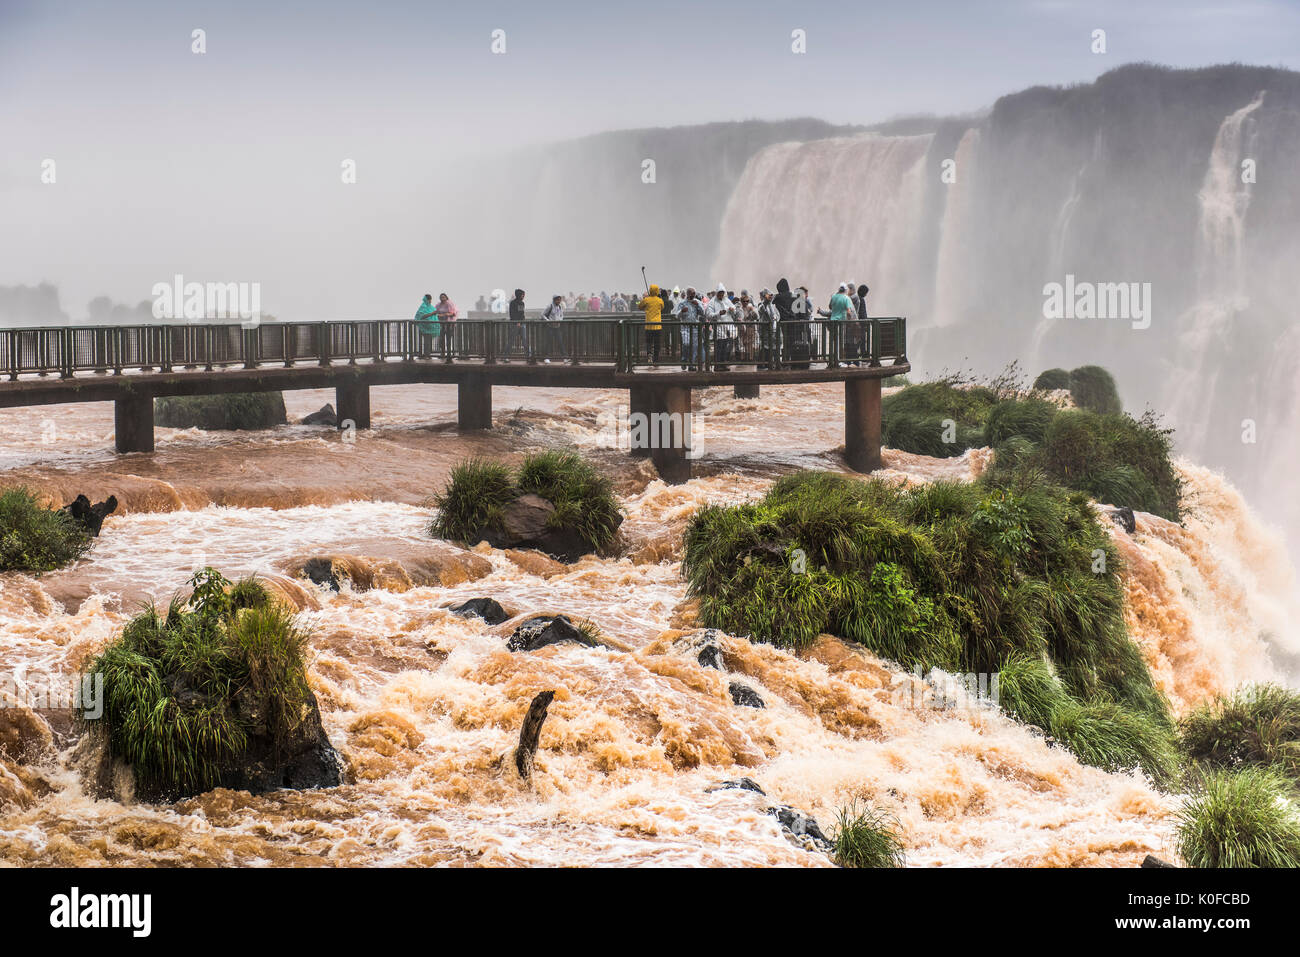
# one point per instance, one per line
(546, 630)
(321, 571)
(1124, 518)
(525, 524)
(801, 829)
(324, 416)
(1152, 861)
(91, 516)
(744, 784)
(486, 608)
(745, 696)
(710, 652)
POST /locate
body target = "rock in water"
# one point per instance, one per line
(545, 630)
(1152, 861)
(745, 696)
(1124, 518)
(321, 571)
(324, 416)
(801, 829)
(524, 524)
(91, 516)
(744, 784)
(486, 608)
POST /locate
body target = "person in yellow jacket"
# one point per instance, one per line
(654, 307)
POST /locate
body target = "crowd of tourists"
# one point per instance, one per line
(727, 326)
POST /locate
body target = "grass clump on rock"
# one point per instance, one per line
(1051, 380)
(865, 836)
(213, 692)
(244, 411)
(554, 501)
(1256, 726)
(942, 418)
(1244, 818)
(967, 578)
(37, 539)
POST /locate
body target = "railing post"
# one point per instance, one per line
(490, 344)
(323, 343)
(65, 364)
(875, 343)
(902, 341)
(573, 341)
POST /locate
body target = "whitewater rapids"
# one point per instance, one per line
(424, 706)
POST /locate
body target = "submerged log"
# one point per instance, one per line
(531, 732)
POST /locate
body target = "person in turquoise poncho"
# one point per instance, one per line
(426, 318)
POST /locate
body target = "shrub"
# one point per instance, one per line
(238, 410)
(915, 418)
(474, 498)
(1239, 819)
(962, 577)
(1256, 726)
(184, 690)
(478, 492)
(865, 836)
(1023, 418)
(583, 498)
(37, 539)
(1093, 388)
(1116, 459)
(1052, 379)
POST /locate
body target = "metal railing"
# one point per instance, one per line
(717, 346)
(625, 343)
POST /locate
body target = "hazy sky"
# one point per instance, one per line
(172, 161)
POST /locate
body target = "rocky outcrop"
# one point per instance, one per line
(543, 630)
(744, 696)
(91, 516)
(325, 415)
(1123, 517)
(802, 829)
(488, 609)
(391, 566)
(743, 784)
(525, 522)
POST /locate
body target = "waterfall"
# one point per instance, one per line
(830, 210)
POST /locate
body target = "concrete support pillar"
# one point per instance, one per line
(641, 406)
(352, 404)
(746, 391)
(862, 424)
(670, 433)
(133, 423)
(474, 403)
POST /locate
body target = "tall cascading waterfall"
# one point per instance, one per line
(832, 210)
(1221, 295)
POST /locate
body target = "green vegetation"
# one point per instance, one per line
(1091, 387)
(1114, 458)
(1258, 726)
(942, 418)
(970, 578)
(185, 690)
(1240, 819)
(37, 539)
(1098, 732)
(1051, 380)
(239, 410)
(865, 836)
(476, 497)
(1096, 448)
